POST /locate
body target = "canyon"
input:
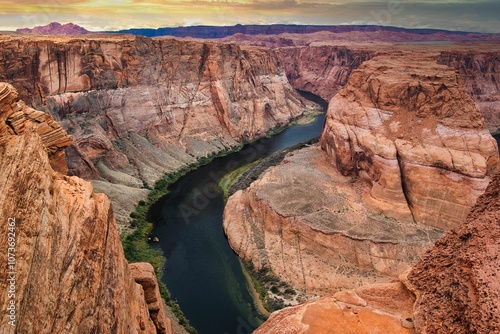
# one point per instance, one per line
(138, 108)
(67, 268)
(321, 62)
(402, 158)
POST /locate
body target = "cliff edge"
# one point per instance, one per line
(457, 283)
(67, 272)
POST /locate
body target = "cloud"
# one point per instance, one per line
(114, 14)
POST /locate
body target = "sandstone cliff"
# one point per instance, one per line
(322, 70)
(321, 62)
(373, 309)
(406, 158)
(307, 223)
(69, 271)
(404, 124)
(139, 107)
(480, 74)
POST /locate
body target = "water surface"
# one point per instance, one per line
(202, 272)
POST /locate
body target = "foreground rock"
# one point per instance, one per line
(138, 108)
(375, 309)
(457, 283)
(144, 275)
(71, 275)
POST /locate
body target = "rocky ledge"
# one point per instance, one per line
(70, 273)
(307, 223)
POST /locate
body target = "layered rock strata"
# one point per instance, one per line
(322, 70)
(405, 156)
(67, 271)
(374, 309)
(139, 107)
(480, 74)
(144, 275)
(307, 223)
(405, 125)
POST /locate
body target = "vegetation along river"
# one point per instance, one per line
(202, 272)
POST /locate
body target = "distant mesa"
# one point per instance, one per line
(56, 28)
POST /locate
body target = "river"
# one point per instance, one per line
(202, 272)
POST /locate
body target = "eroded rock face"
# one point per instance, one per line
(307, 223)
(457, 283)
(71, 274)
(15, 117)
(404, 124)
(480, 74)
(138, 108)
(145, 276)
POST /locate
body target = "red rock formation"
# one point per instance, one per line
(71, 275)
(480, 74)
(375, 309)
(418, 139)
(457, 283)
(457, 287)
(306, 222)
(322, 70)
(410, 157)
(144, 275)
(15, 117)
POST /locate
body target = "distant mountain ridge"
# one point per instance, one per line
(211, 32)
(56, 28)
(275, 29)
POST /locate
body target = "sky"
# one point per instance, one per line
(96, 15)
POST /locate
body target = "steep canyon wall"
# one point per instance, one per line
(325, 69)
(139, 107)
(480, 74)
(453, 289)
